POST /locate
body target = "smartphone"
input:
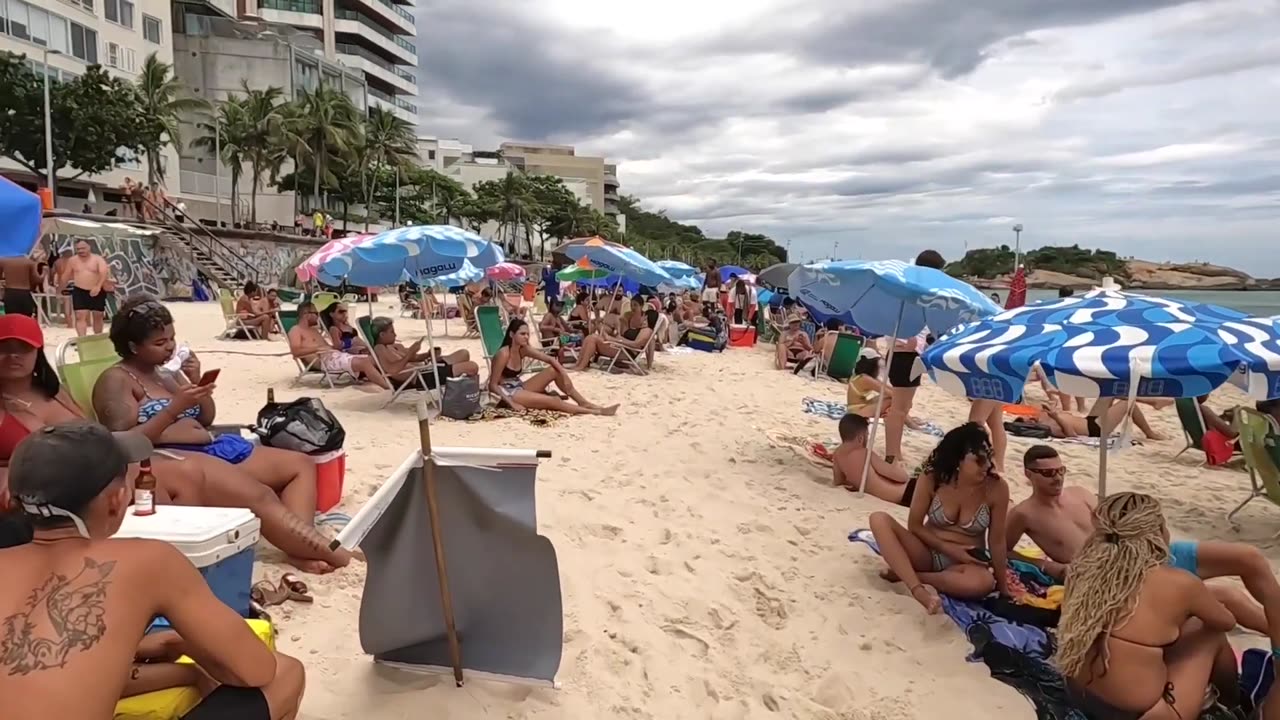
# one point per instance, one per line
(209, 376)
(980, 554)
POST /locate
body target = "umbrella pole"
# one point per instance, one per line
(884, 379)
(431, 343)
(437, 544)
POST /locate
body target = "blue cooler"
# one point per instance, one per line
(218, 541)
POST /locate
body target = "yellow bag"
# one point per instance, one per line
(175, 702)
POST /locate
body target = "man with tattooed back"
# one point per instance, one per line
(75, 603)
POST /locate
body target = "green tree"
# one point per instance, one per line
(95, 119)
(163, 100)
(511, 202)
(226, 130)
(322, 128)
(387, 142)
(264, 149)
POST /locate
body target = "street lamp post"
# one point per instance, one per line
(48, 130)
(1017, 246)
(217, 164)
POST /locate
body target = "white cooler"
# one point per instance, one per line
(218, 541)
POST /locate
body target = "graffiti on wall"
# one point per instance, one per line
(275, 262)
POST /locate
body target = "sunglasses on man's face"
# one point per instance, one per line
(1050, 472)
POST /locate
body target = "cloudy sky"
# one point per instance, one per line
(874, 128)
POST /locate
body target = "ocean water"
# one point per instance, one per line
(1263, 303)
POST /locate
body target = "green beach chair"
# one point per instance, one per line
(417, 376)
(94, 354)
(1259, 445)
(844, 356)
(288, 320)
(489, 323)
(1192, 425)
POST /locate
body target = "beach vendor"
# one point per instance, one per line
(85, 600)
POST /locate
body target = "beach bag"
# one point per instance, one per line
(1027, 428)
(702, 339)
(461, 398)
(304, 425)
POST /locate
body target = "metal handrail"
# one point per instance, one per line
(217, 250)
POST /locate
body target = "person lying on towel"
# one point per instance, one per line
(1060, 519)
(887, 482)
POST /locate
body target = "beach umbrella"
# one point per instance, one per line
(560, 252)
(776, 277)
(727, 270)
(466, 275)
(505, 271)
(20, 215)
(677, 269)
(578, 273)
(309, 269)
(418, 253)
(1109, 344)
(619, 260)
(889, 297)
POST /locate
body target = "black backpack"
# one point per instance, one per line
(304, 425)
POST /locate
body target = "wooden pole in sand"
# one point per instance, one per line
(437, 544)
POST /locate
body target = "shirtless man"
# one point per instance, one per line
(254, 312)
(20, 279)
(887, 482)
(59, 284)
(76, 603)
(1060, 519)
(402, 362)
(89, 278)
(711, 284)
(310, 346)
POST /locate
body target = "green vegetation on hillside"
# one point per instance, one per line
(988, 263)
(657, 236)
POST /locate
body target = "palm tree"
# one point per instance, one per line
(226, 130)
(164, 100)
(262, 148)
(515, 208)
(387, 141)
(322, 126)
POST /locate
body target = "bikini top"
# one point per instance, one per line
(509, 374)
(12, 431)
(976, 526)
(151, 407)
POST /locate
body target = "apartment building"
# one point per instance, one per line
(62, 38)
(373, 37)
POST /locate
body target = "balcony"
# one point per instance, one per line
(299, 13)
(354, 23)
(394, 106)
(611, 194)
(358, 58)
(389, 14)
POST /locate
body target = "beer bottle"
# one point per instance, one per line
(271, 396)
(144, 490)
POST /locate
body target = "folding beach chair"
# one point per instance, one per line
(1258, 444)
(468, 310)
(1192, 425)
(844, 356)
(488, 323)
(235, 328)
(288, 319)
(94, 354)
(323, 300)
(417, 375)
(629, 357)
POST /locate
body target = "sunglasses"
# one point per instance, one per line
(1049, 472)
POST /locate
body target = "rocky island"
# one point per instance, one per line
(1080, 269)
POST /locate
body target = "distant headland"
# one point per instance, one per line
(1079, 269)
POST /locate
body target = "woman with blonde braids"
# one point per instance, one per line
(1138, 638)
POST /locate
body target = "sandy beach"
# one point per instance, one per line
(706, 573)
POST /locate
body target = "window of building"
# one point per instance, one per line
(85, 4)
(4, 18)
(18, 24)
(152, 29)
(118, 11)
(58, 33)
(84, 43)
(38, 25)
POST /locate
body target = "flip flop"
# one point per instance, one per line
(267, 594)
(294, 589)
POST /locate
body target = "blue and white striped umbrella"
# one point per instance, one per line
(468, 274)
(890, 297)
(677, 269)
(418, 253)
(1100, 343)
(621, 261)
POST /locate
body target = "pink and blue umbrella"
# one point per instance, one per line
(417, 253)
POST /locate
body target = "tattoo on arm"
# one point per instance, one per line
(76, 620)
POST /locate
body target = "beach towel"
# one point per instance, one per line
(813, 451)
(834, 410)
(536, 418)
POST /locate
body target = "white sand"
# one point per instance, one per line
(706, 574)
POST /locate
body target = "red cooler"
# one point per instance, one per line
(331, 472)
(742, 336)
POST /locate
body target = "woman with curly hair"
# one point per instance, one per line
(958, 503)
(1138, 637)
(175, 412)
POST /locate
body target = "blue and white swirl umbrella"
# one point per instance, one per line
(418, 253)
(677, 269)
(466, 275)
(621, 261)
(890, 297)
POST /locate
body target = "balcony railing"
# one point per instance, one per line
(398, 10)
(298, 6)
(406, 105)
(344, 14)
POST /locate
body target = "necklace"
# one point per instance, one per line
(26, 404)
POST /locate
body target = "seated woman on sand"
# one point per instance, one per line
(253, 311)
(1138, 638)
(506, 381)
(580, 316)
(864, 388)
(400, 362)
(175, 412)
(1063, 424)
(887, 482)
(342, 336)
(313, 349)
(552, 325)
(957, 502)
(33, 398)
(793, 348)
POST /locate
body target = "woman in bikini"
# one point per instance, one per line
(506, 378)
(580, 315)
(138, 393)
(1106, 412)
(793, 349)
(959, 503)
(1139, 638)
(33, 398)
(342, 336)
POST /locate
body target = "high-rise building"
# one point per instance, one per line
(62, 38)
(374, 37)
(563, 162)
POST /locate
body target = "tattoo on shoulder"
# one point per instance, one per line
(65, 615)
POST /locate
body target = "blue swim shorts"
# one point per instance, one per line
(1184, 555)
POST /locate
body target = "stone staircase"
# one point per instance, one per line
(221, 263)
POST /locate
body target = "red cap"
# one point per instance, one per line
(21, 327)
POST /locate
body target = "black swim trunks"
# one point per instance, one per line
(231, 703)
(19, 302)
(908, 491)
(901, 364)
(1095, 430)
(82, 300)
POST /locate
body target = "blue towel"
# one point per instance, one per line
(231, 448)
(836, 410)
